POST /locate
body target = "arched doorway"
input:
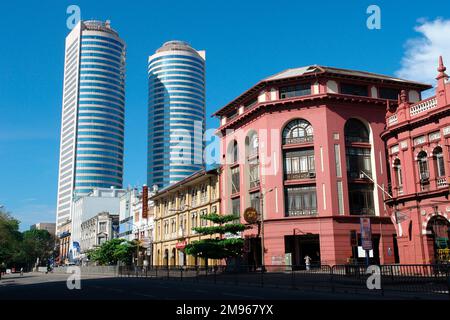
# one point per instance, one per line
(172, 258)
(438, 231)
(166, 257)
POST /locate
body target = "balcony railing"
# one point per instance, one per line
(300, 175)
(424, 177)
(298, 140)
(441, 182)
(301, 212)
(392, 120)
(254, 184)
(422, 106)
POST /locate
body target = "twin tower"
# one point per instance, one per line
(93, 113)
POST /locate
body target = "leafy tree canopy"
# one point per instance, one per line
(219, 248)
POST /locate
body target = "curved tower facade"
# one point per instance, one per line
(176, 113)
(92, 129)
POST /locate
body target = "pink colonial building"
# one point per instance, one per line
(417, 139)
(305, 144)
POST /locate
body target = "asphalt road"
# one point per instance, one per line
(36, 286)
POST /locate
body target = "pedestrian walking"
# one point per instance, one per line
(21, 271)
(308, 262)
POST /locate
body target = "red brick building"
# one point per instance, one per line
(417, 139)
(307, 141)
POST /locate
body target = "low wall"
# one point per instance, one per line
(94, 270)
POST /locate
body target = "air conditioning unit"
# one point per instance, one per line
(311, 174)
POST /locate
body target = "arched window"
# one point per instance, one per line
(398, 175)
(253, 144)
(439, 162)
(356, 131)
(233, 151)
(252, 158)
(422, 164)
(298, 131)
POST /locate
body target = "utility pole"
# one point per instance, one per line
(261, 199)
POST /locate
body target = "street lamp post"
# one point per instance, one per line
(261, 199)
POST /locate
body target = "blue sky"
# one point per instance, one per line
(244, 42)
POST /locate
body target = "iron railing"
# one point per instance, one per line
(427, 279)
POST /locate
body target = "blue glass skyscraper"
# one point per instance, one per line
(176, 113)
(92, 128)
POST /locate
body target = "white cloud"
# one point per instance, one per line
(420, 60)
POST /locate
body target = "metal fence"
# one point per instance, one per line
(433, 279)
(91, 270)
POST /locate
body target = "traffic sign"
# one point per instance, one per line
(366, 233)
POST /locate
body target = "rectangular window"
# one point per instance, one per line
(299, 164)
(394, 149)
(419, 140)
(235, 180)
(203, 194)
(440, 165)
(423, 170)
(340, 193)
(358, 159)
(434, 136)
(255, 201)
(337, 160)
(102, 227)
(354, 89)
(295, 91)
(361, 199)
(203, 222)
(236, 206)
(301, 201)
(194, 220)
(398, 171)
(389, 93)
(193, 198)
(253, 172)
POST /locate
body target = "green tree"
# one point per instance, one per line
(10, 238)
(221, 248)
(36, 244)
(113, 251)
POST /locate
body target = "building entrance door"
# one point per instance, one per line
(438, 230)
(253, 253)
(300, 246)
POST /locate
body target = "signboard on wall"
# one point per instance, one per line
(144, 202)
(366, 234)
(362, 253)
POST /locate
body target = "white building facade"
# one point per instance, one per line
(87, 207)
(98, 229)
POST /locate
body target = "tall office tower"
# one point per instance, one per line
(92, 126)
(176, 113)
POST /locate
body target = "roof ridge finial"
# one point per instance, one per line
(441, 69)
